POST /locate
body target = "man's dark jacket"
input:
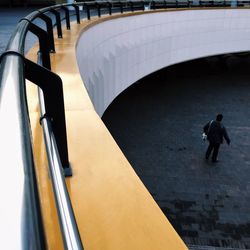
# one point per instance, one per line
(215, 132)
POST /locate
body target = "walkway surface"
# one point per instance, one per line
(158, 124)
(9, 18)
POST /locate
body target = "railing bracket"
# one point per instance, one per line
(51, 85)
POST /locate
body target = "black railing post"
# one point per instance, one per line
(77, 12)
(143, 7)
(51, 85)
(66, 16)
(87, 11)
(110, 8)
(58, 22)
(49, 27)
(131, 6)
(153, 5)
(44, 44)
(121, 7)
(98, 9)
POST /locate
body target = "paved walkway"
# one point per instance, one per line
(9, 18)
(197, 247)
(158, 124)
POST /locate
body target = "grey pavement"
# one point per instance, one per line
(158, 124)
(9, 18)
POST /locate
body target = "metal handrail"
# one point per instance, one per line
(17, 158)
(21, 223)
(20, 205)
(71, 236)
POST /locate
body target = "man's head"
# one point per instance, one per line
(219, 117)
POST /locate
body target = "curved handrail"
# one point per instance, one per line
(16, 150)
(21, 204)
(71, 236)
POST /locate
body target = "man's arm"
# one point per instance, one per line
(205, 128)
(225, 134)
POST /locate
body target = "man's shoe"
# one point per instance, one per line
(215, 161)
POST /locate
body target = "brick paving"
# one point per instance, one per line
(158, 123)
(193, 247)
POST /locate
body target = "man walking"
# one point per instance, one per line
(215, 132)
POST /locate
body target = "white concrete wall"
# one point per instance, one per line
(114, 54)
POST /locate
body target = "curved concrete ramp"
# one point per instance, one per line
(114, 54)
(113, 209)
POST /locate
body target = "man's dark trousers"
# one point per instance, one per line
(215, 147)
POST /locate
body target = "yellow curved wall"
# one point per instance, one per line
(113, 209)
